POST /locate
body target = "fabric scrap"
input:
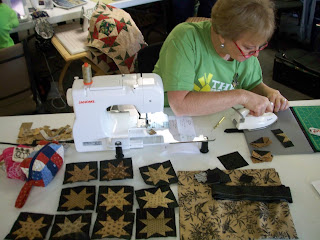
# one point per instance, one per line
(261, 142)
(71, 226)
(202, 217)
(245, 178)
(232, 161)
(30, 226)
(117, 169)
(215, 176)
(158, 174)
(110, 225)
(159, 222)
(252, 193)
(161, 196)
(80, 172)
(77, 198)
(115, 198)
(282, 137)
(261, 156)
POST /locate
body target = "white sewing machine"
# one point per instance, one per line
(104, 113)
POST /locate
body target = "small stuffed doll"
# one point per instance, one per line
(40, 167)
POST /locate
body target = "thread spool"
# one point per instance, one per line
(87, 74)
(119, 153)
(204, 147)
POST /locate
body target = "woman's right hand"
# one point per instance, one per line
(257, 104)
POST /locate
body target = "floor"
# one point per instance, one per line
(49, 65)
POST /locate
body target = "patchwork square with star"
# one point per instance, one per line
(80, 172)
(115, 198)
(158, 222)
(110, 225)
(77, 198)
(30, 226)
(73, 226)
(159, 174)
(116, 169)
(156, 197)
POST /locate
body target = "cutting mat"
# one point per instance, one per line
(309, 116)
(289, 125)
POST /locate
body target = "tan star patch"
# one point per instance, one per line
(70, 227)
(77, 200)
(115, 199)
(118, 172)
(160, 174)
(30, 229)
(81, 174)
(158, 199)
(156, 225)
(113, 228)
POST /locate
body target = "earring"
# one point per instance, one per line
(222, 45)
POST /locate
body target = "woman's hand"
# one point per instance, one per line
(257, 104)
(280, 103)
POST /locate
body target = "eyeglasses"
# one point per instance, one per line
(251, 52)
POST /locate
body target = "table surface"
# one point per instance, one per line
(296, 171)
(57, 15)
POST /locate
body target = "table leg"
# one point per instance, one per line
(61, 77)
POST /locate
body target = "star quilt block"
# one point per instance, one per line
(158, 222)
(110, 225)
(80, 172)
(159, 174)
(77, 198)
(30, 226)
(117, 169)
(115, 198)
(161, 196)
(73, 226)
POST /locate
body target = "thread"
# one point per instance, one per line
(87, 74)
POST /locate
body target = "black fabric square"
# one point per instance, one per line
(233, 161)
(158, 174)
(30, 226)
(77, 198)
(159, 222)
(282, 137)
(73, 226)
(110, 225)
(115, 198)
(81, 172)
(161, 196)
(116, 169)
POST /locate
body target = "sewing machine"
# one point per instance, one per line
(114, 108)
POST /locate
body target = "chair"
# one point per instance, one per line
(18, 93)
(148, 57)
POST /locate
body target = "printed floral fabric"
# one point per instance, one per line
(202, 217)
(113, 32)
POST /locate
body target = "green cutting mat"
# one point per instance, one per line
(309, 116)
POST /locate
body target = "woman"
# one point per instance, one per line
(8, 20)
(210, 66)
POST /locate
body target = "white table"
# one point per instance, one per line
(296, 171)
(59, 14)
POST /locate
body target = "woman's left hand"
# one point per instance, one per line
(280, 103)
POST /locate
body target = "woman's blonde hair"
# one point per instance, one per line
(231, 18)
